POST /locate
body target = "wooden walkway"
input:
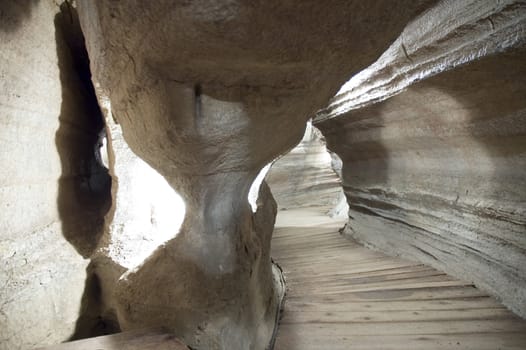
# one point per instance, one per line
(344, 296)
(146, 339)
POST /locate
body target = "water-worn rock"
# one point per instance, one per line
(436, 173)
(208, 93)
(53, 190)
(304, 176)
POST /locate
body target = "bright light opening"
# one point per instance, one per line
(253, 193)
(147, 210)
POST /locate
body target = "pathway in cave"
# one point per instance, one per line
(342, 295)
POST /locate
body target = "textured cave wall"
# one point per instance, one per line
(437, 172)
(53, 190)
(146, 212)
(207, 94)
(305, 176)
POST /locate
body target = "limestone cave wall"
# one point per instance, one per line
(431, 136)
(54, 190)
(208, 95)
(305, 176)
(434, 149)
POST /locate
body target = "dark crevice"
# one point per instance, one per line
(94, 320)
(198, 102)
(84, 195)
(425, 252)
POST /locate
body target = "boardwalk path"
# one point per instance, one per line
(344, 296)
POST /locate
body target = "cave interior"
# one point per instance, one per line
(257, 175)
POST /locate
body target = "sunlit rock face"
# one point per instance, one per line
(145, 213)
(208, 93)
(305, 176)
(437, 172)
(146, 210)
(54, 192)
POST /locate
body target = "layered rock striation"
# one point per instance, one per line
(435, 172)
(305, 176)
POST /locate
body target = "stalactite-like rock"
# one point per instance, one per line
(208, 93)
(436, 173)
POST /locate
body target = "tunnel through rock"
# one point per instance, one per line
(199, 99)
(84, 195)
(84, 192)
(308, 175)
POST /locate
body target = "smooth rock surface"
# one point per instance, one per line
(208, 94)
(146, 212)
(304, 176)
(436, 173)
(53, 190)
(446, 36)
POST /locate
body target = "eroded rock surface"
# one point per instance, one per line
(436, 173)
(145, 213)
(53, 190)
(207, 94)
(304, 176)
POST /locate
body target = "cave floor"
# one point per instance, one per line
(341, 295)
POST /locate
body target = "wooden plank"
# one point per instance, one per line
(152, 339)
(299, 341)
(343, 329)
(418, 294)
(391, 316)
(373, 277)
(376, 287)
(431, 305)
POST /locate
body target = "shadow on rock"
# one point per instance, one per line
(85, 186)
(13, 13)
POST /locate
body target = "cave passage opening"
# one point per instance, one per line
(309, 175)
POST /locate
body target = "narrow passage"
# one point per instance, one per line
(343, 296)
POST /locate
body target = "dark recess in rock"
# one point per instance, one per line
(85, 185)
